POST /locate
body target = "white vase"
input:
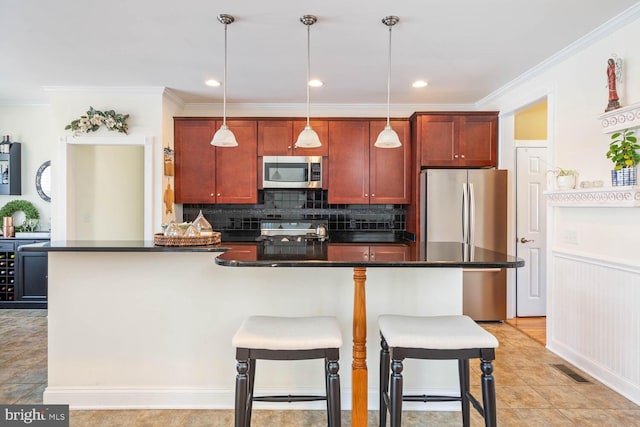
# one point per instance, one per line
(565, 182)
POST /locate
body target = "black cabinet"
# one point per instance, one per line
(10, 169)
(23, 275)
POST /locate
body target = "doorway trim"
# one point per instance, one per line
(507, 154)
(61, 215)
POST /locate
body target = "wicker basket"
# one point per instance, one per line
(160, 239)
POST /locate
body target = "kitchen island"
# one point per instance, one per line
(132, 325)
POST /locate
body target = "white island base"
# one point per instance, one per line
(134, 330)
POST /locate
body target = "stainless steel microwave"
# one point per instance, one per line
(292, 172)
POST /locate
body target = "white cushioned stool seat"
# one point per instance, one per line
(288, 333)
(435, 332)
(435, 338)
(287, 339)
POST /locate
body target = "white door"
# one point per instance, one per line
(531, 180)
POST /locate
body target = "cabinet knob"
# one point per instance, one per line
(373, 195)
(462, 156)
(372, 255)
(365, 254)
(218, 194)
(366, 195)
(455, 156)
(289, 147)
(212, 194)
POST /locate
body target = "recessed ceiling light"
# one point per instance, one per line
(316, 83)
(212, 83)
(420, 83)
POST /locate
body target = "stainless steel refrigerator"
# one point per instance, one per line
(470, 206)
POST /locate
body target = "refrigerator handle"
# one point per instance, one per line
(465, 214)
(472, 215)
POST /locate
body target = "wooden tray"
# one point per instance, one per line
(160, 239)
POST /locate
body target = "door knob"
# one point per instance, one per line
(523, 240)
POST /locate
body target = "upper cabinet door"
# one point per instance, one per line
(348, 161)
(236, 168)
(389, 181)
(478, 141)
(194, 160)
(275, 137)
(438, 137)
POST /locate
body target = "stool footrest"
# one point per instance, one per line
(475, 404)
(289, 398)
(432, 398)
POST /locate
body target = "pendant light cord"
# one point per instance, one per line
(389, 81)
(224, 88)
(308, 69)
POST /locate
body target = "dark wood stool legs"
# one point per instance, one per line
(391, 382)
(245, 380)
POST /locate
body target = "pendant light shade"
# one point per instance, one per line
(224, 137)
(308, 138)
(388, 138)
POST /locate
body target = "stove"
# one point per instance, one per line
(291, 240)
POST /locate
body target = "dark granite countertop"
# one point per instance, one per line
(314, 254)
(115, 246)
(431, 254)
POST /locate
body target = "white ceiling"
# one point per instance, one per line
(465, 49)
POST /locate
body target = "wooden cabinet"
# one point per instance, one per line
(457, 140)
(363, 174)
(278, 137)
(349, 162)
(371, 252)
(236, 168)
(208, 174)
(389, 181)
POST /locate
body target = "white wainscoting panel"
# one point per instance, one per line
(594, 313)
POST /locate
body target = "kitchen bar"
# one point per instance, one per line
(132, 325)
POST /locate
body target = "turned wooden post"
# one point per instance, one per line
(359, 379)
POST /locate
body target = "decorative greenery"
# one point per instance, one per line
(96, 118)
(30, 212)
(623, 150)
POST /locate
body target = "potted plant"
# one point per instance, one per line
(565, 178)
(623, 152)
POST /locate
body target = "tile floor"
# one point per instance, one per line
(530, 390)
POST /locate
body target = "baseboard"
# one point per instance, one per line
(610, 379)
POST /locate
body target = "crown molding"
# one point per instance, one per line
(147, 90)
(609, 27)
(322, 110)
(173, 97)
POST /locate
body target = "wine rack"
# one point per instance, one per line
(7, 272)
(23, 275)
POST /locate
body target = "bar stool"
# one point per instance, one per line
(286, 338)
(435, 337)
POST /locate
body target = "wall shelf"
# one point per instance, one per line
(623, 196)
(622, 118)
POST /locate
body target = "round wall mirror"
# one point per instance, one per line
(43, 181)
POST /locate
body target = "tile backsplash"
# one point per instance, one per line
(307, 205)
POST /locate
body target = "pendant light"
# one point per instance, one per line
(224, 137)
(388, 138)
(308, 138)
